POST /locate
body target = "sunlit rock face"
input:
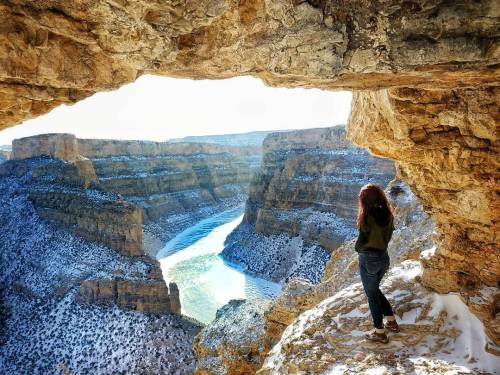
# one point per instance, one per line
(108, 190)
(57, 146)
(58, 192)
(57, 52)
(149, 296)
(446, 144)
(318, 327)
(439, 334)
(318, 169)
(302, 204)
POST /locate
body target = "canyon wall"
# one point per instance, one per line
(69, 305)
(174, 184)
(319, 328)
(436, 61)
(304, 197)
(446, 145)
(58, 191)
(147, 296)
(133, 185)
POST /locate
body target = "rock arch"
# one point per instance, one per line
(425, 76)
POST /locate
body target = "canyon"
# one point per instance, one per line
(426, 76)
(73, 246)
(425, 79)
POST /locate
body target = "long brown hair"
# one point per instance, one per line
(372, 201)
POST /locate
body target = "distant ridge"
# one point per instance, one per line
(242, 139)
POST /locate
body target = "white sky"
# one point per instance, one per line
(160, 108)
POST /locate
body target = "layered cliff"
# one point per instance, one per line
(109, 191)
(55, 281)
(59, 190)
(92, 298)
(246, 145)
(326, 44)
(174, 184)
(302, 204)
(448, 153)
(413, 58)
(445, 54)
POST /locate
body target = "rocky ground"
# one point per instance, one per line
(45, 329)
(439, 335)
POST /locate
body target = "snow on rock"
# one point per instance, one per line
(439, 335)
(237, 332)
(275, 257)
(45, 330)
(302, 204)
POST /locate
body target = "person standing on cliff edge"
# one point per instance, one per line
(375, 224)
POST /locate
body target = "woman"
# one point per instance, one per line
(375, 225)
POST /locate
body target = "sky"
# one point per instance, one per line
(159, 108)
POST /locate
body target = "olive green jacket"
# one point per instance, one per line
(375, 236)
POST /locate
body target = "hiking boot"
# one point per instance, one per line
(392, 326)
(377, 337)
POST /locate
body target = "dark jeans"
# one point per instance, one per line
(372, 267)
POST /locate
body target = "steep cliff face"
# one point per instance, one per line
(302, 205)
(57, 190)
(443, 49)
(148, 296)
(161, 187)
(246, 145)
(446, 147)
(174, 184)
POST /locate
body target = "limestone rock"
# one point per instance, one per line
(144, 296)
(438, 334)
(57, 52)
(57, 190)
(43, 328)
(58, 146)
(239, 349)
(446, 147)
(112, 223)
(174, 184)
(159, 184)
(412, 235)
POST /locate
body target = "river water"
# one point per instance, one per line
(205, 281)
